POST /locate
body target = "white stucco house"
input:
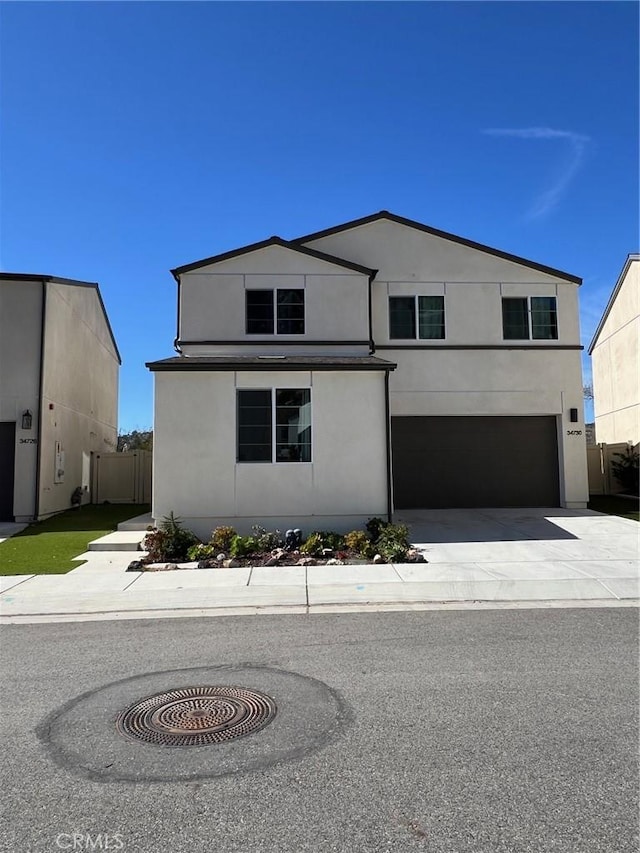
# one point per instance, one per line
(615, 361)
(59, 367)
(375, 366)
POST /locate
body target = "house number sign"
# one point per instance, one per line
(574, 432)
(28, 441)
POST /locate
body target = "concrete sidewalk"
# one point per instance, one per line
(492, 558)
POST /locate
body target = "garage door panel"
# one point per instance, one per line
(441, 462)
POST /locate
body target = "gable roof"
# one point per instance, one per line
(273, 241)
(445, 235)
(21, 276)
(612, 299)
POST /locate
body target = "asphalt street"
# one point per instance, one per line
(448, 732)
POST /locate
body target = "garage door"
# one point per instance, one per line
(474, 462)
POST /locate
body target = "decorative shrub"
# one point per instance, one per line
(322, 539)
(393, 542)
(244, 546)
(202, 552)
(626, 470)
(170, 542)
(357, 540)
(221, 539)
(266, 541)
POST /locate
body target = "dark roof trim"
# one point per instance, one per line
(54, 279)
(273, 241)
(411, 223)
(255, 363)
(612, 299)
(530, 347)
(244, 342)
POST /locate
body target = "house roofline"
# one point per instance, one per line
(54, 279)
(270, 364)
(273, 241)
(436, 232)
(612, 299)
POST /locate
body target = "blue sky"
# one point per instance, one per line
(141, 136)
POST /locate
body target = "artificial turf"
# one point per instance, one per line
(47, 547)
(614, 505)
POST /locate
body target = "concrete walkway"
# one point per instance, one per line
(497, 558)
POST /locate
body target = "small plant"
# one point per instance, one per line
(374, 528)
(266, 541)
(393, 542)
(170, 542)
(221, 539)
(321, 539)
(626, 470)
(202, 552)
(243, 546)
(358, 541)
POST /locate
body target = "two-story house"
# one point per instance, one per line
(375, 366)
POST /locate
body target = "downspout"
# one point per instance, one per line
(36, 503)
(176, 342)
(387, 415)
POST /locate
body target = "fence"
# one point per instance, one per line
(599, 459)
(122, 477)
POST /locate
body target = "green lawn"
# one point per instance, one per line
(47, 547)
(613, 505)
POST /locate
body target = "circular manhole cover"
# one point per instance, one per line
(197, 716)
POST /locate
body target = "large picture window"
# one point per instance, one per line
(533, 317)
(274, 425)
(412, 317)
(271, 312)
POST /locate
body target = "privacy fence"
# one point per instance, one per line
(122, 477)
(599, 459)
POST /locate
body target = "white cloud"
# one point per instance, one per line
(578, 143)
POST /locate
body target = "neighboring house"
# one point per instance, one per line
(615, 361)
(375, 366)
(58, 391)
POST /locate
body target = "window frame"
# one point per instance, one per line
(275, 319)
(416, 316)
(274, 427)
(529, 314)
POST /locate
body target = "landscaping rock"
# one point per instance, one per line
(136, 566)
(414, 556)
(272, 561)
(221, 557)
(232, 563)
(306, 561)
(327, 552)
(378, 559)
(277, 554)
(335, 562)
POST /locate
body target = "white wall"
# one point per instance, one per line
(20, 312)
(498, 380)
(616, 366)
(197, 477)
(212, 300)
(80, 389)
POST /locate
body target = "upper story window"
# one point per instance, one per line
(283, 414)
(532, 317)
(416, 317)
(279, 312)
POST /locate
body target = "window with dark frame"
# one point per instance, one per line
(274, 425)
(280, 312)
(412, 317)
(525, 318)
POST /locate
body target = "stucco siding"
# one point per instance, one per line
(616, 365)
(195, 470)
(212, 299)
(80, 390)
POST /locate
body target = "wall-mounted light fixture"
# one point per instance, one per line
(27, 419)
(573, 416)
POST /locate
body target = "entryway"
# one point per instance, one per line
(7, 466)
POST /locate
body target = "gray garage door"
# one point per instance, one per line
(474, 462)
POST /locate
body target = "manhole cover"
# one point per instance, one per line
(197, 716)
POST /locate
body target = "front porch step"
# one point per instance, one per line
(121, 540)
(140, 522)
